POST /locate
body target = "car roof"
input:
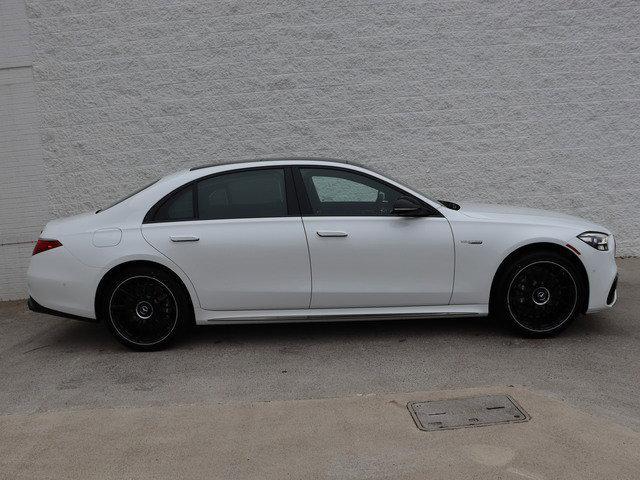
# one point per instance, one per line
(279, 159)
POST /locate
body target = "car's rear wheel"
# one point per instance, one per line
(144, 308)
(539, 294)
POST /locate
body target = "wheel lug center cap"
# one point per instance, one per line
(144, 310)
(541, 296)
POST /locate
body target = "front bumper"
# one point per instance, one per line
(612, 298)
(602, 273)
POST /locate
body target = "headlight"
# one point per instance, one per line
(599, 241)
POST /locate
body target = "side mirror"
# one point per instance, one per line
(406, 207)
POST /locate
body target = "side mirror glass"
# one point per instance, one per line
(407, 207)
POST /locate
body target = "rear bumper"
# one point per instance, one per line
(59, 282)
(36, 307)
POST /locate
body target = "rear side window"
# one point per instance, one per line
(177, 207)
(245, 194)
(257, 193)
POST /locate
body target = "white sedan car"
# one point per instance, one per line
(307, 240)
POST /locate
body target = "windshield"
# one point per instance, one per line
(126, 197)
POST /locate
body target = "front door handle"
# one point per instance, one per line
(325, 233)
(186, 238)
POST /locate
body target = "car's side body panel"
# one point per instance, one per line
(241, 264)
(381, 261)
(481, 247)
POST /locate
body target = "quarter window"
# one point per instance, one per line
(245, 194)
(178, 207)
(343, 193)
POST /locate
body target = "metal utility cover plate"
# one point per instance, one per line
(466, 412)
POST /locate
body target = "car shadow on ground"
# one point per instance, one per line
(363, 330)
(74, 336)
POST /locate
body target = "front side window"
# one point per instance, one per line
(245, 194)
(345, 193)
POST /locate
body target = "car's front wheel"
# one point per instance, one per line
(539, 294)
(144, 308)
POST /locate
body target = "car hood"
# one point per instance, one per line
(526, 215)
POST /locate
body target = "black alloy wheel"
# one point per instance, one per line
(144, 308)
(540, 294)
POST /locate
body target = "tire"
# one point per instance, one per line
(539, 294)
(144, 308)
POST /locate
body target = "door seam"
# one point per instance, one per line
(306, 237)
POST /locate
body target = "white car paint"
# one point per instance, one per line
(247, 264)
(386, 261)
(256, 270)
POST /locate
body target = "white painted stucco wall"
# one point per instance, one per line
(528, 103)
(24, 198)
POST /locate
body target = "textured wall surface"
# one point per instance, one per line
(23, 192)
(528, 103)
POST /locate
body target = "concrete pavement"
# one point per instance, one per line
(339, 438)
(70, 398)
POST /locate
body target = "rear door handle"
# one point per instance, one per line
(325, 233)
(186, 238)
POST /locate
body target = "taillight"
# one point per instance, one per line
(42, 245)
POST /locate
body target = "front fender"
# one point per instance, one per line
(477, 263)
